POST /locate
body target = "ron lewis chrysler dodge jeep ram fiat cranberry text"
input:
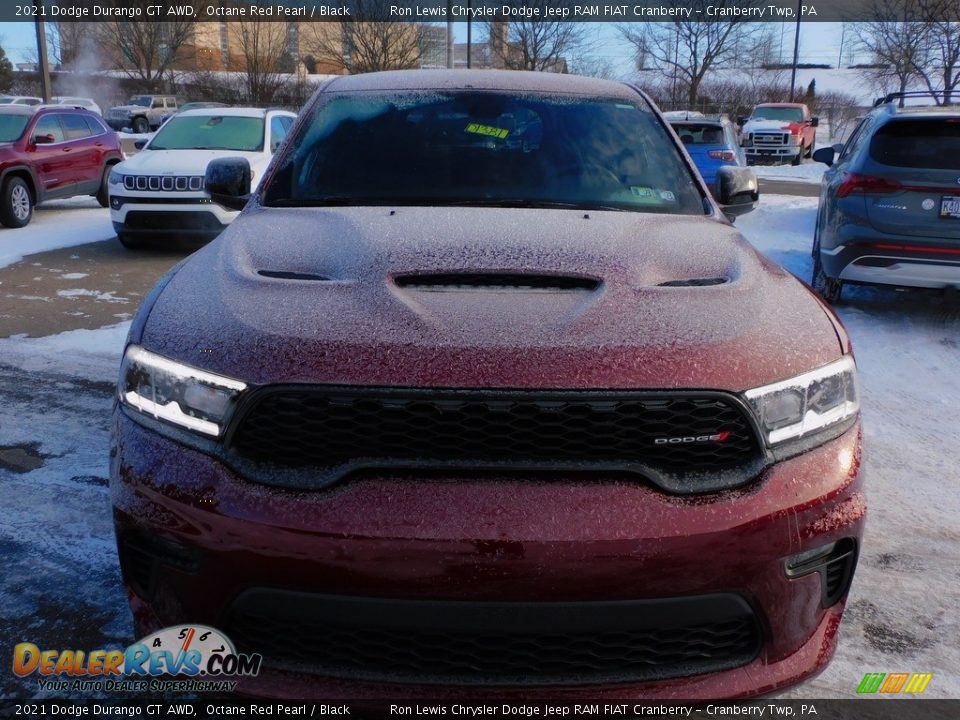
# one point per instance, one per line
(488, 396)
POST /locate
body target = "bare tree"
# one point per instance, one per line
(942, 48)
(896, 41)
(146, 49)
(538, 44)
(265, 48)
(370, 44)
(688, 50)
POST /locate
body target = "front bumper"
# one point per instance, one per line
(785, 152)
(190, 215)
(215, 540)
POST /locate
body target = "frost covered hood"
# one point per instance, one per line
(185, 162)
(480, 297)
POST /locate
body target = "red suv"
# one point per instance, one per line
(487, 396)
(52, 152)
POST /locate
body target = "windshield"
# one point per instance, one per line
(12, 127)
(485, 148)
(141, 100)
(6, 100)
(210, 132)
(775, 113)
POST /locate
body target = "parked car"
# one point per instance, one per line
(143, 113)
(890, 202)
(779, 131)
(83, 102)
(436, 416)
(48, 153)
(159, 191)
(20, 100)
(711, 142)
(193, 106)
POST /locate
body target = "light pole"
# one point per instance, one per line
(796, 53)
(43, 64)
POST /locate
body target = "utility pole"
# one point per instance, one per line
(843, 31)
(43, 64)
(450, 60)
(796, 54)
(469, 38)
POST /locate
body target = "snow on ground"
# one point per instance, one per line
(903, 610)
(89, 354)
(807, 172)
(56, 224)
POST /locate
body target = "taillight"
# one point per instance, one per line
(870, 184)
(722, 155)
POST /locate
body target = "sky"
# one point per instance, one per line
(819, 42)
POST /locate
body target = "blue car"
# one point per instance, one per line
(711, 142)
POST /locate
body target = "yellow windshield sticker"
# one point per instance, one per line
(488, 130)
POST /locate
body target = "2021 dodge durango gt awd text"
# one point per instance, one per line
(489, 397)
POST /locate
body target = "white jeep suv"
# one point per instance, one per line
(160, 191)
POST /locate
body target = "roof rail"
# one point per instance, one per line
(890, 97)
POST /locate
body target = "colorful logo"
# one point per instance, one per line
(183, 651)
(894, 683)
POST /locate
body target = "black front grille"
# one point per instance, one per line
(494, 643)
(338, 430)
(172, 221)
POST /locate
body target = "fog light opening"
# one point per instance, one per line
(835, 563)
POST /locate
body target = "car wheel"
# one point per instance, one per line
(16, 203)
(829, 288)
(810, 150)
(798, 158)
(103, 194)
(141, 125)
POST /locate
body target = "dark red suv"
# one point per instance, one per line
(482, 395)
(52, 152)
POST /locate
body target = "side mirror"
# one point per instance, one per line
(814, 122)
(741, 120)
(140, 144)
(736, 190)
(228, 182)
(43, 139)
(825, 155)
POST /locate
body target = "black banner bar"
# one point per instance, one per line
(762, 11)
(892, 708)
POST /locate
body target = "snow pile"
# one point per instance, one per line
(56, 224)
(90, 354)
(807, 172)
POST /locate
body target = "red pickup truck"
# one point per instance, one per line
(779, 131)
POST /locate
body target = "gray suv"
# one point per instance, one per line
(890, 202)
(143, 113)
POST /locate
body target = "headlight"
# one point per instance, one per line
(815, 400)
(176, 393)
(116, 178)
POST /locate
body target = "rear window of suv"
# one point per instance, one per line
(484, 148)
(931, 144)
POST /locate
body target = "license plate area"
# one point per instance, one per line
(950, 207)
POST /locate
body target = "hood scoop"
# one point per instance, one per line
(496, 282)
(695, 282)
(289, 275)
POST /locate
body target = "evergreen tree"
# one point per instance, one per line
(6, 71)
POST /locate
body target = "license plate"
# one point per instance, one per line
(950, 207)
